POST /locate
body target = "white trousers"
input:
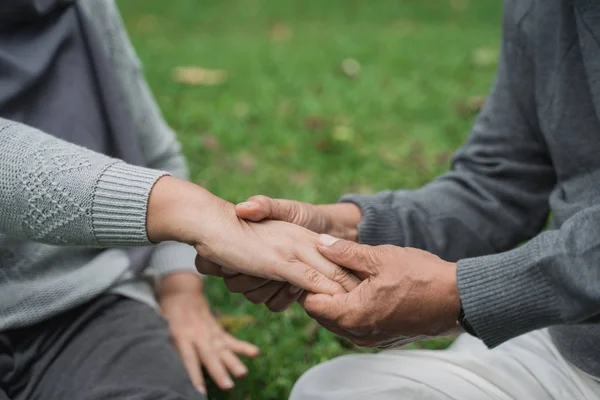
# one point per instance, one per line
(526, 368)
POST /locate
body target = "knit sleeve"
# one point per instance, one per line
(159, 145)
(55, 192)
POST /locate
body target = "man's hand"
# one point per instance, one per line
(197, 336)
(339, 220)
(275, 250)
(405, 294)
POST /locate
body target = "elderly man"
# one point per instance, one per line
(534, 149)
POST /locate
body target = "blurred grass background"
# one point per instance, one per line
(310, 100)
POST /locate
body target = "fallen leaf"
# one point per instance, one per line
(280, 32)
(471, 106)
(285, 108)
(240, 109)
(390, 156)
(301, 178)
(324, 145)
(146, 23)
(234, 323)
(443, 157)
(485, 57)
(246, 163)
(416, 157)
(315, 123)
(344, 133)
(210, 142)
(459, 4)
(199, 76)
(404, 26)
(359, 189)
(350, 67)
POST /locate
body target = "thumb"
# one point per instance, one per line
(257, 208)
(357, 257)
(322, 307)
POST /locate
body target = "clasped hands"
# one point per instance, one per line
(280, 251)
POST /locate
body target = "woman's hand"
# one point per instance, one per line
(197, 336)
(274, 250)
(340, 220)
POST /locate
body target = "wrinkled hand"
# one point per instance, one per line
(340, 220)
(197, 336)
(405, 295)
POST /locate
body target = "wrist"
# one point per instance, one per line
(341, 220)
(176, 209)
(449, 298)
(178, 283)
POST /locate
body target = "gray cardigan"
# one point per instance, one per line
(61, 205)
(535, 148)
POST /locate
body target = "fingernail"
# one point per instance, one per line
(247, 204)
(201, 389)
(294, 289)
(327, 240)
(227, 383)
(241, 371)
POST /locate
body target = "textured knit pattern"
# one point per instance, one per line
(62, 205)
(533, 149)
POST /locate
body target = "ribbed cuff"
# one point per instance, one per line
(120, 204)
(169, 257)
(505, 295)
(377, 225)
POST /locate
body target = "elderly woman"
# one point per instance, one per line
(91, 178)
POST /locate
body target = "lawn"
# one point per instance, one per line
(321, 98)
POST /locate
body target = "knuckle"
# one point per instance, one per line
(313, 276)
(232, 285)
(254, 298)
(276, 307)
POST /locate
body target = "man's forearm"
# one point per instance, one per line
(551, 280)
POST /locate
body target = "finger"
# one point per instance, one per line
(323, 307)
(308, 278)
(241, 347)
(242, 283)
(211, 357)
(334, 272)
(206, 267)
(357, 257)
(285, 297)
(234, 364)
(257, 208)
(265, 292)
(191, 361)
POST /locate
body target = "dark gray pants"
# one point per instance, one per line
(112, 348)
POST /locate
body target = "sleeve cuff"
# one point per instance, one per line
(170, 257)
(506, 295)
(120, 204)
(375, 227)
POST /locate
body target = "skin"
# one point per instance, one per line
(197, 336)
(279, 251)
(405, 294)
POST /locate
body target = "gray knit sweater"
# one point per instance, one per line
(65, 210)
(535, 148)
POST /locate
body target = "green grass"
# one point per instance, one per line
(289, 123)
